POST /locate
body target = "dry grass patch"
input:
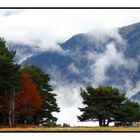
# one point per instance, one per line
(70, 129)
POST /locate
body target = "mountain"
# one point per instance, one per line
(136, 97)
(23, 51)
(131, 34)
(96, 58)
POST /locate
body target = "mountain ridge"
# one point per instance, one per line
(82, 52)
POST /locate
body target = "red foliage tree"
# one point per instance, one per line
(27, 100)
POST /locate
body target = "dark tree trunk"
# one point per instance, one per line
(4, 120)
(100, 122)
(10, 111)
(104, 124)
(11, 116)
(13, 107)
(108, 121)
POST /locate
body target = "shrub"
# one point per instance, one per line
(65, 125)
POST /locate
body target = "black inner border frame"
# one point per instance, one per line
(69, 7)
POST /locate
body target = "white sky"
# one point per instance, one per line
(49, 26)
(89, 3)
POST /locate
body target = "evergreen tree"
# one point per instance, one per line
(49, 104)
(101, 103)
(9, 83)
(129, 111)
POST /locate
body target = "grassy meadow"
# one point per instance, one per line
(70, 129)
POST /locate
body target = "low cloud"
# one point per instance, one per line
(69, 100)
(110, 57)
(73, 69)
(131, 88)
(69, 93)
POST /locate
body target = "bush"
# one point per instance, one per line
(29, 119)
(125, 124)
(65, 125)
(50, 124)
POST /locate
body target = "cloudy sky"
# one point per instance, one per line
(47, 27)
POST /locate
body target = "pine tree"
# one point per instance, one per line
(9, 82)
(101, 103)
(49, 104)
(128, 111)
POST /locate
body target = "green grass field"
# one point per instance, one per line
(71, 129)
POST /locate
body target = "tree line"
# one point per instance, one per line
(26, 97)
(25, 93)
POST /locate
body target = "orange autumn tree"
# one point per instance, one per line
(27, 100)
